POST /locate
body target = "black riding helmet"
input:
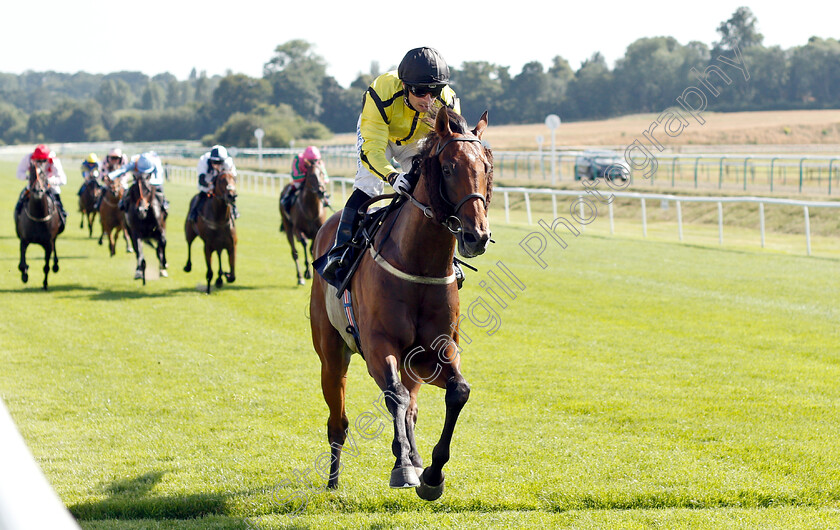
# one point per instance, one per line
(424, 67)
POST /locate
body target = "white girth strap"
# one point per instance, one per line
(425, 280)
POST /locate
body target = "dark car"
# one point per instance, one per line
(593, 164)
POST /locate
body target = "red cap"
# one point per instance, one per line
(42, 152)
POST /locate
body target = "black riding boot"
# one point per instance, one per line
(61, 211)
(164, 203)
(98, 202)
(288, 199)
(193, 215)
(344, 233)
(20, 203)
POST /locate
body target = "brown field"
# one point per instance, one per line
(791, 128)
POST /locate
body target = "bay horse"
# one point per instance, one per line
(215, 225)
(110, 216)
(87, 200)
(405, 297)
(145, 221)
(39, 222)
(305, 217)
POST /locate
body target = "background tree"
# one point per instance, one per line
(295, 73)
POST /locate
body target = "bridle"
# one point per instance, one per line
(451, 223)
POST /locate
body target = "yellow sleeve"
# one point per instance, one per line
(374, 132)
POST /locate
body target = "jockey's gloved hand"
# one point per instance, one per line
(402, 183)
(202, 180)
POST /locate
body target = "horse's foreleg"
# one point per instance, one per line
(208, 261)
(432, 479)
(91, 219)
(231, 252)
(22, 266)
(306, 272)
(291, 237)
(161, 254)
(55, 256)
(47, 255)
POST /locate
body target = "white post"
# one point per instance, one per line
(720, 222)
(612, 223)
(761, 221)
(552, 121)
(554, 205)
(528, 206)
(808, 230)
(259, 133)
(679, 219)
(644, 218)
(507, 208)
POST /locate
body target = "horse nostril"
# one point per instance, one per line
(469, 238)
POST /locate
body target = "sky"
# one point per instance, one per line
(102, 36)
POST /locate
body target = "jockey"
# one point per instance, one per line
(90, 171)
(115, 160)
(145, 164)
(398, 109)
(42, 156)
(301, 163)
(211, 164)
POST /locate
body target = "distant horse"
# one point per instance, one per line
(145, 221)
(86, 201)
(306, 216)
(39, 222)
(405, 301)
(110, 216)
(216, 227)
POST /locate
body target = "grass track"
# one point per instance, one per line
(634, 384)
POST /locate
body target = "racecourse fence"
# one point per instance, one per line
(273, 183)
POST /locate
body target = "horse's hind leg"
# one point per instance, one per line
(161, 254)
(397, 399)
(208, 260)
(219, 281)
(55, 256)
(413, 387)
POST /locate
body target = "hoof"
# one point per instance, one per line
(55, 268)
(301, 281)
(188, 267)
(24, 277)
(404, 477)
(307, 275)
(129, 251)
(427, 492)
(138, 274)
(100, 242)
(164, 274)
(219, 283)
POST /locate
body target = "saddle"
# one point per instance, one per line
(362, 239)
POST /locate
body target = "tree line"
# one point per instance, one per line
(295, 98)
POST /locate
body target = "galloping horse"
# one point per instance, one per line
(39, 222)
(110, 216)
(216, 227)
(405, 298)
(145, 221)
(306, 216)
(86, 201)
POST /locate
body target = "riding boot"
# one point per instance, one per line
(343, 234)
(234, 211)
(164, 203)
(20, 203)
(199, 202)
(98, 202)
(288, 198)
(82, 188)
(61, 211)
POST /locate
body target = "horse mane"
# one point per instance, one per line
(434, 174)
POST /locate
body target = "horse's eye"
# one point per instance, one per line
(447, 171)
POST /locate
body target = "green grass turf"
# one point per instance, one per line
(633, 383)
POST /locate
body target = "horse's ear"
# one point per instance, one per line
(481, 125)
(442, 123)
